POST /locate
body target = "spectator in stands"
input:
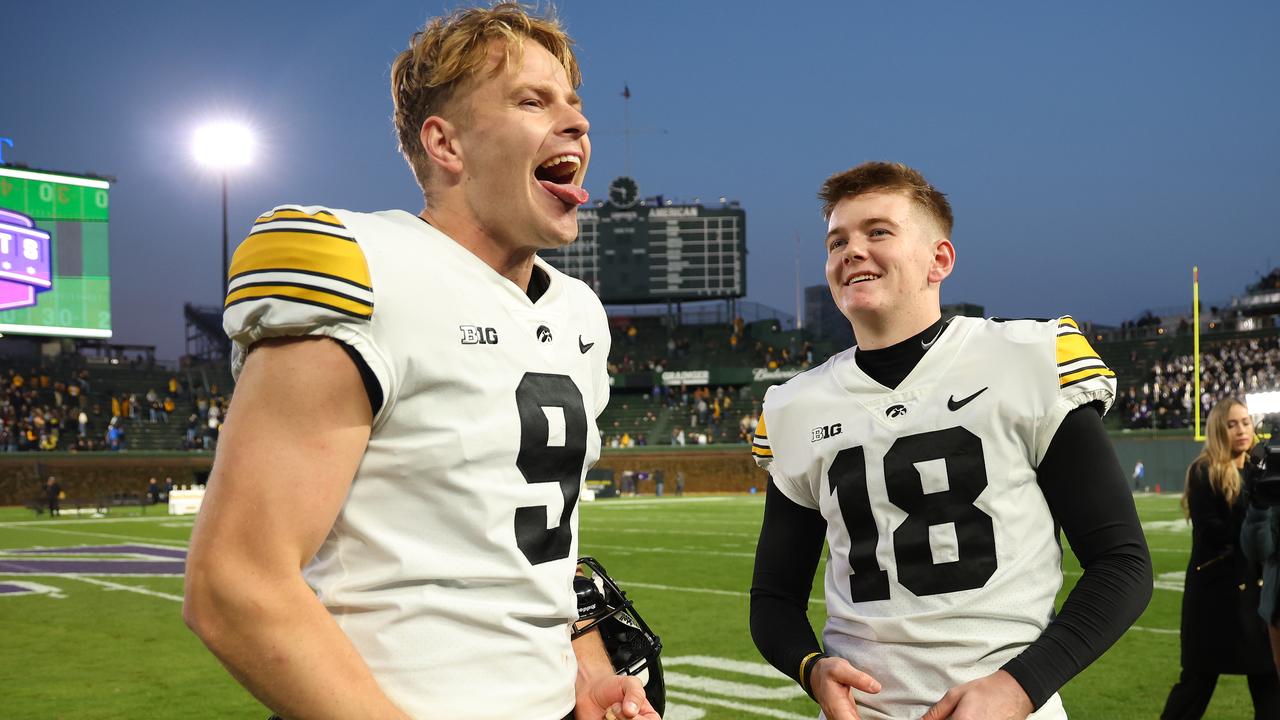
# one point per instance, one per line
(153, 491)
(1221, 631)
(53, 496)
(82, 420)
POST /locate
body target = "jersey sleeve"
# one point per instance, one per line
(300, 273)
(1082, 377)
(760, 448)
(788, 472)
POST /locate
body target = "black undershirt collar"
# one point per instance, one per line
(889, 366)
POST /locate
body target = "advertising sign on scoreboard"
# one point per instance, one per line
(631, 251)
(54, 277)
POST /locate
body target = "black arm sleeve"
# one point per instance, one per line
(786, 558)
(1089, 497)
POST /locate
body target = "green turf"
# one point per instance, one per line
(114, 652)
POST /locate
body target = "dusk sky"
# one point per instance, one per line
(1093, 152)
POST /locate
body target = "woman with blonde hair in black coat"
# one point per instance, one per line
(1222, 633)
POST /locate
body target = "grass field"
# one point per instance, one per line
(94, 645)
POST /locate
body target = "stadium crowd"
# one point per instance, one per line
(63, 407)
(1231, 368)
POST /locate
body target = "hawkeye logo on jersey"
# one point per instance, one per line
(825, 431)
(476, 335)
(544, 333)
(894, 411)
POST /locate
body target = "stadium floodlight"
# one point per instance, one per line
(223, 146)
(1263, 403)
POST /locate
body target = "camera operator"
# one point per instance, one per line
(1260, 534)
(1221, 632)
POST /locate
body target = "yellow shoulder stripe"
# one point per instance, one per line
(1073, 347)
(285, 214)
(308, 296)
(1068, 320)
(760, 429)
(315, 253)
(761, 452)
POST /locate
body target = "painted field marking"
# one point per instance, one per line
(704, 591)
(127, 588)
(704, 688)
(96, 521)
(742, 707)
(606, 527)
(86, 533)
(674, 551)
(29, 588)
(1158, 631)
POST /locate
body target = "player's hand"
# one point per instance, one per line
(615, 697)
(994, 697)
(832, 680)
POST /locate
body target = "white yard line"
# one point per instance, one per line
(704, 591)
(742, 707)
(127, 588)
(591, 546)
(63, 531)
(140, 518)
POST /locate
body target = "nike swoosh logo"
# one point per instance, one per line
(585, 346)
(953, 404)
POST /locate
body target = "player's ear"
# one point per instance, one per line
(439, 139)
(944, 261)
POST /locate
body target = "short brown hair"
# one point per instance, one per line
(873, 176)
(450, 50)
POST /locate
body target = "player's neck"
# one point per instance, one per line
(875, 333)
(512, 263)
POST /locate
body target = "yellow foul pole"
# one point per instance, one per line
(1195, 351)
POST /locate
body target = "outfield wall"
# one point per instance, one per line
(88, 476)
(718, 468)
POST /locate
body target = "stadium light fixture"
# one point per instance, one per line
(1263, 403)
(223, 146)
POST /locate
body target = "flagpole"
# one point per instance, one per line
(626, 126)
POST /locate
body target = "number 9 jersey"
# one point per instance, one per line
(944, 557)
(451, 562)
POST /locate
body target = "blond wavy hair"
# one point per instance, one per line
(450, 51)
(1224, 477)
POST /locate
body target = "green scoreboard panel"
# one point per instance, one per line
(643, 252)
(54, 275)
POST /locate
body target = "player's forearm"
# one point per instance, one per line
(1088, 495)
(280, 643)
(786, 558)
(593, 660)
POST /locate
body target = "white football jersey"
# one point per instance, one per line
(944, 560)
(450, 565)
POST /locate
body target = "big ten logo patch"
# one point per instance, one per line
(823, 432)
(477, 335)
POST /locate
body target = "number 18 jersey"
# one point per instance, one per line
(944, 557)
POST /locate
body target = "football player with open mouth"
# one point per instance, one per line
(391, 524)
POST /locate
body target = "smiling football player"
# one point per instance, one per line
(937, 459)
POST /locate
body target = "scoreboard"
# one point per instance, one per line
(632, 251)
(54, 277)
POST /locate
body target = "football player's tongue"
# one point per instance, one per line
(558, 180)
